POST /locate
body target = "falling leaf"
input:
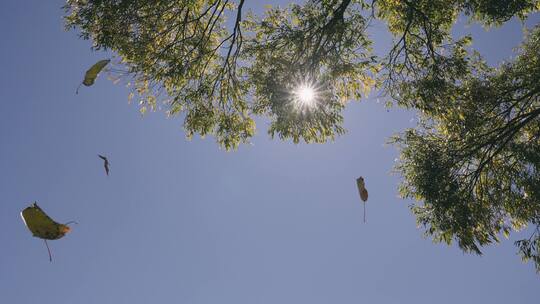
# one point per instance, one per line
(362, 188)
(363, 192)
(106, 163)
(93, 72)
(42, 226)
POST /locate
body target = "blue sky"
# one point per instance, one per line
(182, 221)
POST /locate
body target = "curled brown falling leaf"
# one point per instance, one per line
(362, 188)
(363, 192)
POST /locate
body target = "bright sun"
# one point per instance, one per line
(305, 95)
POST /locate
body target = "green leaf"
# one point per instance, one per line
(93, 72)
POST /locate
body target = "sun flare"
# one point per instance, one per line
(305, 95)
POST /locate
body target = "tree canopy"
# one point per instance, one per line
(183, 54)
(473, 161)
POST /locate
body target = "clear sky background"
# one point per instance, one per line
(184, 222)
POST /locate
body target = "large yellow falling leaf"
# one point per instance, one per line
(363, 192)
(93, 72)
(42, 226)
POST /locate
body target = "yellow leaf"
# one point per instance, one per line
(93, 72)
(41, 225)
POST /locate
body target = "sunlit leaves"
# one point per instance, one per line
(323, 43)
(422, 31)
(180, 54)
(176, 55)
(474, 161)
(529, 249)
